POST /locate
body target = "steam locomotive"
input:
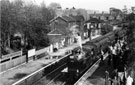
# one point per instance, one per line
(80, 60)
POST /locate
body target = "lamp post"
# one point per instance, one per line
(0, 41)
(0, 45)
(89, 31)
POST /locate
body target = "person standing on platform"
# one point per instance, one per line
(79, 40)
(109, 58)
(101, 55)
(27, 59)
(129, 79)
(114, 77)
(114, 56)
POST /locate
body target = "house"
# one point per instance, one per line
(80, 22)
(119, 17)
(62, 22)
(79, 19)
(93, 26)
(60, 30)
(107, 16)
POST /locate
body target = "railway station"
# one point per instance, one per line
(43, 44)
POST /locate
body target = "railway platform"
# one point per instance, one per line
(11, 76)
(98, 77)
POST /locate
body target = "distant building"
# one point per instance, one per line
(93, 26)
(133, 9)
(112, 17)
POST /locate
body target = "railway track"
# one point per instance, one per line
(56, 77)
(50, 77)
(88, 73)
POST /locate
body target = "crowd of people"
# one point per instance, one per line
(118, 53)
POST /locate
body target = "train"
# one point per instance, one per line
(81, 59)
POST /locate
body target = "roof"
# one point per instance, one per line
(106, 15)
(68, 18)
(94, 20)
(55, 38)
(56, 35)
(56, 32)
(65, 18)
(98, 15)
(78, 18)
(101, 14)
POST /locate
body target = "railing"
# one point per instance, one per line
(12, 63)
(10, 56)
(38, 52)
(84, 76)
(11, 60)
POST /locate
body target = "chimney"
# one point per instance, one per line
(59, 11)
(102, 12)
(94, 12)
(67, 8)
(73, 7)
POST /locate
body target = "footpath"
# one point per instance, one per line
(11, 76)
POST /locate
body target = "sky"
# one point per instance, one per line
(101, 5)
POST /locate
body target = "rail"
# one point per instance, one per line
(36, 75)
(85, 74)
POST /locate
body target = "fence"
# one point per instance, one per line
(12, 63)
(11, 56)
(14, 59)
(47, 49)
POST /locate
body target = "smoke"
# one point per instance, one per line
(75, 30)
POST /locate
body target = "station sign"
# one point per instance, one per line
(31, 52)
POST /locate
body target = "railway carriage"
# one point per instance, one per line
(89, 53)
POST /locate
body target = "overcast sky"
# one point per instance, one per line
(101, 5)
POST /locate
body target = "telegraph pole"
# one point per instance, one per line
(0, 41)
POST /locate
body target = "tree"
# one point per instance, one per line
(131, 26)
(28, 19)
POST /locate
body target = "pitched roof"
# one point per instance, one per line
(55, 38)
(55, 35)
(65, 18)
(78, 17)
(56, 32)
(101, 14)
(106, 15)
(94, 20)
(68, 18)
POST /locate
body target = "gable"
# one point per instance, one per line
(61, 21)
(57, 18)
